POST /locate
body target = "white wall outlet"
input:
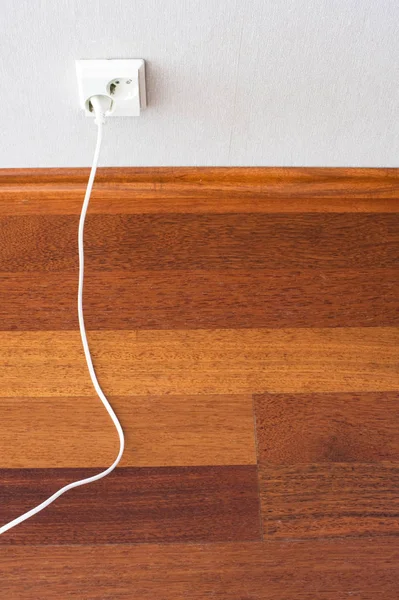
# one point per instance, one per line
(122, 80)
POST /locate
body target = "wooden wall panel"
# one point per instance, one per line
(202, 299)
(359, 569)
(201, 241)
(203, 287)
(159, 430)
(330, 500)
(200, 190)
(315, 428)
(328, 464)
(134, 505)
(201, 362)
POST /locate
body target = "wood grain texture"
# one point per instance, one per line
(330, 500)
(203, 287)
(363, 569)
(201, 299)
(314, 428)
(159, 431)
(201, 241)
(201, 362)
(200, 190)
(185, 504)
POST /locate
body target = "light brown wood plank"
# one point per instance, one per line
(200, 190)
(61, 200)
(159, 431)
(315, 428)
(201, 361)
(330, 500)
(201, 242)
(186, 504)
(313, 570)
(201, 299)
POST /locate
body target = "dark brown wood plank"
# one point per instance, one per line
(322, 469)
(185, 504)
(201, 299)
(159, 431)
(315, 428)
(330, 500)
(361, 569)
(202, 241)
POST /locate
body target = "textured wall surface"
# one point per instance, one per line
(260, 82)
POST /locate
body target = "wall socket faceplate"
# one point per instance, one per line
(122, 80)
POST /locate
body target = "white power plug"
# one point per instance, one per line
(121, 80)
(99, 105)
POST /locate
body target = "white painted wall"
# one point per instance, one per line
(248, 82)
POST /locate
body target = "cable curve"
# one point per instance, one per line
(100, 122)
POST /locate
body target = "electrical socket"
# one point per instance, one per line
(122, 80)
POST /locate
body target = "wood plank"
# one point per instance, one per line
(185, 504)
(201, 361)
(378, 182)
(315, 428)
(330, 500)
(361, 569)
(117, 199)
(159, 431)
(200, 190)
(201, 242)
(201, 299)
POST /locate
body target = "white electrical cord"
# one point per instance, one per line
(100, 106)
